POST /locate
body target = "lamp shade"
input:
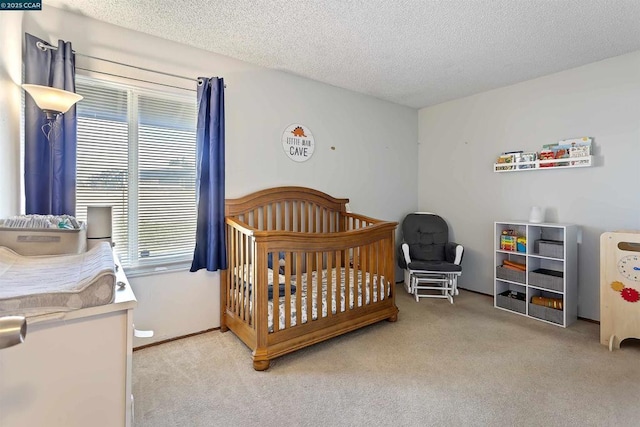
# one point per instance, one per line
(52, 99)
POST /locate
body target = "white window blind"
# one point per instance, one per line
(136, 152)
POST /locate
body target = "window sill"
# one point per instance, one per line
(150, 270)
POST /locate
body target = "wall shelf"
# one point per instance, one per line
(564, 163)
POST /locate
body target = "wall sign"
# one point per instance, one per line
(298, 142)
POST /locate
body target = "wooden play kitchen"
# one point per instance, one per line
(619, 287)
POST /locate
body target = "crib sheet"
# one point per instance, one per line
(38, 285)
(247, 276)
(302, 288)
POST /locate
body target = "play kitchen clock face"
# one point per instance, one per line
(629, 267)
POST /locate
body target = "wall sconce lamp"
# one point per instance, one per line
(53, 102)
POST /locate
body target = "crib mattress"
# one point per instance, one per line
(37, 285)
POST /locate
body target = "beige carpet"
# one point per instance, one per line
(440, 364)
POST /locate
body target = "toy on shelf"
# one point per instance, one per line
(508, 240)
(512, 265)
(547, 302)
(546, 155)
(506, 160)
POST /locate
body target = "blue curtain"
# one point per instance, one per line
(210, 252)
(55, 68)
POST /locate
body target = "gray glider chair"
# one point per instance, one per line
(430, 261)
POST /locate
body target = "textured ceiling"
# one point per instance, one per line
(412, 52)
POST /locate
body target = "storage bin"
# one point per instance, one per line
(548, 279)
(44, 241)
(545, 313)
(512, 275)
(503, 300)
(551, 248)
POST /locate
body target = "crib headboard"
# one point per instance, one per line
(290, 208)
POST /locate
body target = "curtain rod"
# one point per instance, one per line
(43, 46)
(135, 79)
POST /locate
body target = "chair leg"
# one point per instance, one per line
(408, 277)
(441, 285)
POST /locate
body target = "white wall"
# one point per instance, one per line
(374, 162)
(10, 105)
(460, 140)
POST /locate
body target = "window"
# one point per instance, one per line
(136, 152)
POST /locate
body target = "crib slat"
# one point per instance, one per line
(347, 281)
(247, 280)
(379, 270)
(290, 226)
(299, 276)
(250, 273)
(246, 295)
(371, 271)
(239, 274)
(364, 264)
(276, 305)
(323, 225)
(356, 277)
(234, 263)
(309, 289)
(244, 280)
(281, 216)
(375, 282)
(339, 286)
(329, 298)
(318, 285)
(287, 290)
(247, 268)
(305, 217)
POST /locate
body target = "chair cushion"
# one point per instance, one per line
(442, 266)
(427, 235)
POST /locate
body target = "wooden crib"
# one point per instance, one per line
(301, 269)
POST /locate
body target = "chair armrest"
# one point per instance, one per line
(403, 256)
(405, 252)
(454, 252)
